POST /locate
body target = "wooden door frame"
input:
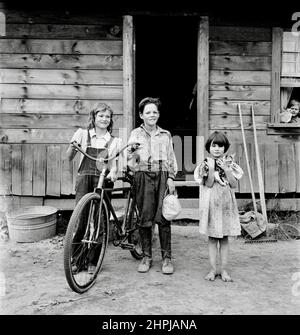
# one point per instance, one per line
(202, 87)
(202, 80)
(128, 76)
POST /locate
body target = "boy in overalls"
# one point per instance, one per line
(155, 168)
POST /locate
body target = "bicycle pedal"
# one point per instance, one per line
(127, 246)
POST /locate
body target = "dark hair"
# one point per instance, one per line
(294, 102)
(147, 101)
(217, 138)
(100, 107)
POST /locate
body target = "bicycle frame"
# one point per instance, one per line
(103, 191)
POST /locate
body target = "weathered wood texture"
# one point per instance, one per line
(54, 67)
(202, 86)
(241, 63)
(43, 170)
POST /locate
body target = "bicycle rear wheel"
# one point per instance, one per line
(133, 231)
(85, 242)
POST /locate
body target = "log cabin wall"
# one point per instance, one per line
(54, 67)
(240, 67)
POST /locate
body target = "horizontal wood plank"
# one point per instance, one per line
(233, 122)
(52, 106)
(219, 77)
(240, 48)
(71, 47)
(98, 92)
(39, 135)
(27, 121)
(61, 77)
(58, 17)
(230, 107)
(250, 63)
(64, 31)
(58, 61)
(239, 92)
(232, 33)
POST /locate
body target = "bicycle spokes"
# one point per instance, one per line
(87, 243)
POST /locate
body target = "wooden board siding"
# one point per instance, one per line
(240, 72)
(54, 67)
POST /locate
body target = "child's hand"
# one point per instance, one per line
(112, 176)
(171, 185)
(134, 146)
(223, 164)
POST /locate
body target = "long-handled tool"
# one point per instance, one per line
(247, 160)
(259, 174)
(258, 217)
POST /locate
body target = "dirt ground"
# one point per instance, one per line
(266, 280)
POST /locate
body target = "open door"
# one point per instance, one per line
(166, 67)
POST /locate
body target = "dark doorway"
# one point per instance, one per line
(166, 67)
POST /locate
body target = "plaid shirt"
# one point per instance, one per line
(155, 153)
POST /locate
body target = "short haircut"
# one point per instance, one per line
(100, 107)
(147, 101)
(294, 102)
(217, 138)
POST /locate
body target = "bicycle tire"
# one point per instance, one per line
(290, 231)
(134, 237)
(79, 248)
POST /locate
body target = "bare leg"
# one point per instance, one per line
(212, 254)
(224, 250)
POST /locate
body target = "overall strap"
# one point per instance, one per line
(88, 141)
(107, 145)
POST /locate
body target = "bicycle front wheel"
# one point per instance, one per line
(85, 242)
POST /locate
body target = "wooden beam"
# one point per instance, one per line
(276, 71)
(128, 62)
(202, 86)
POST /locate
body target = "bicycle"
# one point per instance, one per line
(87, 234)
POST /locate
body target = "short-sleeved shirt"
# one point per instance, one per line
(81, 136)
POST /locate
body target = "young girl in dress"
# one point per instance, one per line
(219, 216)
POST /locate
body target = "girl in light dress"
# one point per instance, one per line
(218, 175)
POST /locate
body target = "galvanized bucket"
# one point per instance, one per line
(32, 224)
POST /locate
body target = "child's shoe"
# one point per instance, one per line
(167, 267)
(145, 264)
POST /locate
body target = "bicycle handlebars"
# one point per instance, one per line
(103, 160)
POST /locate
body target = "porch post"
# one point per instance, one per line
(202, 87)
(128, 76)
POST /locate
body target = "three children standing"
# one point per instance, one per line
(155, 167)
